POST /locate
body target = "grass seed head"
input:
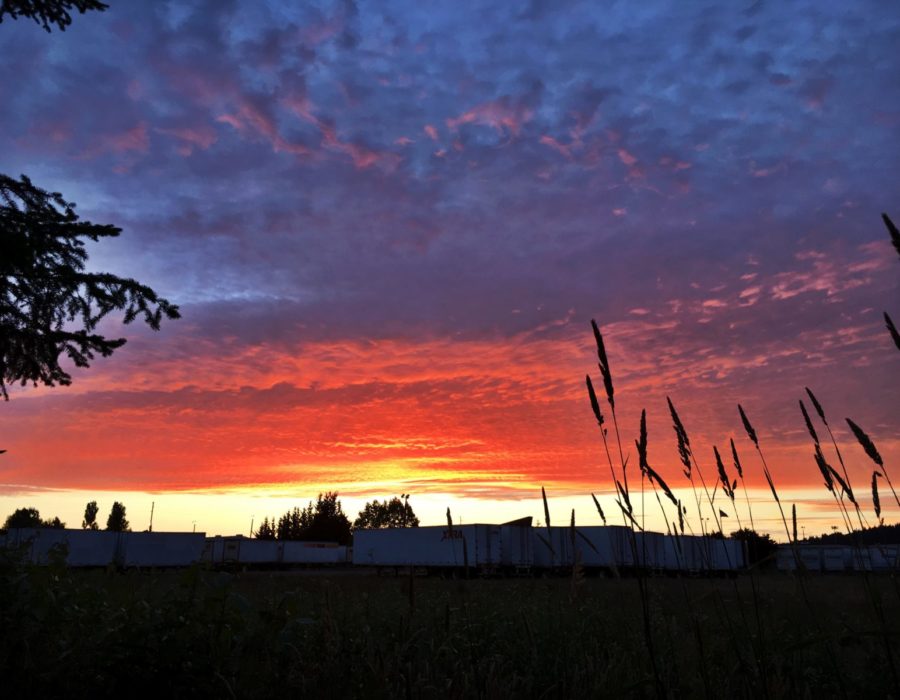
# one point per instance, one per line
(599, 509)
(751, 433)
(604, 365)
(723, 475)
(875, 500)
(737, 461)
(809, 425)
(684, 444)
(546, 507)
(895, 234)
(824, 468)
(595, 405)
(642, 443)
(816, 405)
(892, 329)
(866, 443)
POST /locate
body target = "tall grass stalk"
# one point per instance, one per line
(872, 453)
(624, 500)
(827, 640)
(830, 475)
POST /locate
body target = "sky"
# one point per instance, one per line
(389, 225)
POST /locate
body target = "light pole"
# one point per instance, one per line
(252, 518)
(195, 525)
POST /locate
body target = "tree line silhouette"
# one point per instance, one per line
(325, 521)
(31, 518)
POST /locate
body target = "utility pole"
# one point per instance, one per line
(195, 525)
(252, 517)
(152, 507)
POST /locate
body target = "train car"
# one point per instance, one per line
(726, 555)
(517, 546)
(835, 558)
(160, 549)
(552, 547)
(78, 548)
(429, 547)
(606, 548)
(38, 545)
(312, 553)
(87, 548)
(245, 551)
(884, 557)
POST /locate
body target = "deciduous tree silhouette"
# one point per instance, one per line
(23, 517)
(30, 517)
(47, 12)
(323, 521)
(48, 304)
(90, 516)
(393, 513)
(116, 522)
(759, 547)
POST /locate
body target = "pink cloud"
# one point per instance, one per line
(362, 156)
(201, 137)
(500, 115)
(560, 148)
(135, 139)
(626, 157)
(249, 119)
(431, 132)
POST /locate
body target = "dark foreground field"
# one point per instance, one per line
(200, 633)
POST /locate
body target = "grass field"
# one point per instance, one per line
(334, 634)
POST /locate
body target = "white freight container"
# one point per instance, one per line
(517, 546)
(699, 553)
(432, 546)
(553, 547)
(883, 557)
(37, 544)
(214, 550)
(785, 559)
(725, 555)
(91, 547)
(861, 559)
(603, 547)
(247, 551)
(693, 553)
(488, 546)
(160, 549)
(835, 558)
(313, 553)
(649, 548)
(810, 557)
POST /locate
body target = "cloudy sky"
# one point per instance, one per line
(389, 225)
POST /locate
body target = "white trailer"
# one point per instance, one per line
(160, 549)
(517, 546)
(250, 552)
(835, 558)
(884, 557)
(439, 547)
(38, 545)
(553, 547)
(91, 547)
(295, 553)
(602, 547)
